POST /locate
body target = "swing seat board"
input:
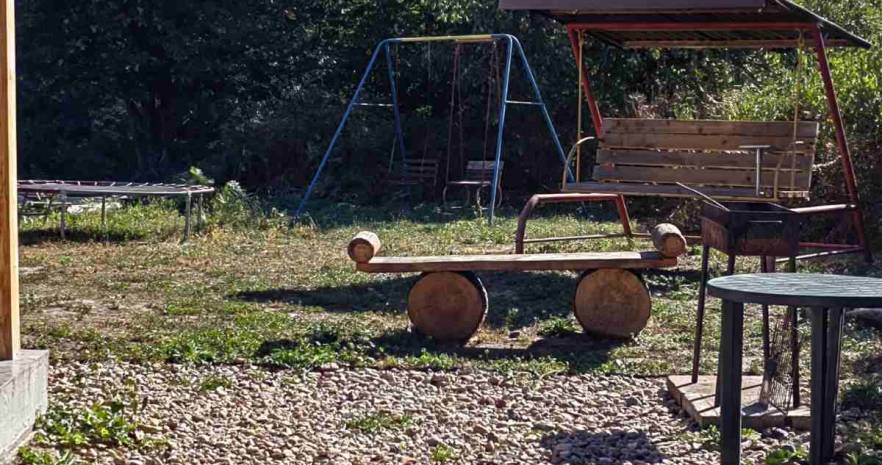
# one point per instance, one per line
(536, 262)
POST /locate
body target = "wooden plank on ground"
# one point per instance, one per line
(803, 162)
(807, 130)
(537, 262)
(9, 313)
(692, 176)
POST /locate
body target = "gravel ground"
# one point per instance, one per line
(476, 417)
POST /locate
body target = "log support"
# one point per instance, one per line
(447, 306)
(612, 303)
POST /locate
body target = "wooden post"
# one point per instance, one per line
(9, 318)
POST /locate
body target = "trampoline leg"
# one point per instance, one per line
(104, 216)
(63, 198)
(200, 219)
(187, 214)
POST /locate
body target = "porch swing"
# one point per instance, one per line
(758, 161)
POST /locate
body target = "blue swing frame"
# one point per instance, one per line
(513, 45)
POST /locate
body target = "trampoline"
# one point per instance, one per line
(63, 190)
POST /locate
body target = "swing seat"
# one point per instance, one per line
(722, 159)
(478, 174)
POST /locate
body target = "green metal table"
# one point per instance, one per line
(826, 297)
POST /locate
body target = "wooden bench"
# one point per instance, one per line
(478, 175)
(727, 160)
(449, 301)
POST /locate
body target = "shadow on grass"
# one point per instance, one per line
(581, 353)
(49, 235)
(617, 447)
(516, 299)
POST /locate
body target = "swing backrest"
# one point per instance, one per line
(481, 170)
(649, 157)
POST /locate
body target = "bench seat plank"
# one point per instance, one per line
(704, 177)
(771, 160)
(537, 262)
(673, 190)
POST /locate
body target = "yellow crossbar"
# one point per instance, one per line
(469, 38)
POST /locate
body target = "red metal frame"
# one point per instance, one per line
(574, 29)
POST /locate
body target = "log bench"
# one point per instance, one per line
(449, 301)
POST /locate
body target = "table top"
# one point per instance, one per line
(799, 290)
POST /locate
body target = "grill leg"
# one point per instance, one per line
(730, 270)
(699, 316)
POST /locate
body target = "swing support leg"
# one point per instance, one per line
(515, 45)
(841, 141)
(396, 112)
(503, 110)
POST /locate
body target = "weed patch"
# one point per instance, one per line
(375, 422)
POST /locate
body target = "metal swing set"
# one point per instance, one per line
(512, 47)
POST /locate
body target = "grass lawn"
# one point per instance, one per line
(288, 297)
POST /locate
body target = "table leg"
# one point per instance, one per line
(731, 335)
(826, 340)
(730, 270)
(835, 323)
(699, 316)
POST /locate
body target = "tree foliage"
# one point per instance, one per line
(137, 89)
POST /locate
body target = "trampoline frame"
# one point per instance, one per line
(65, 189)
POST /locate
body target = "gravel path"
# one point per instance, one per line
(468, 417)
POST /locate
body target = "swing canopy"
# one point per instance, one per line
(639, 24)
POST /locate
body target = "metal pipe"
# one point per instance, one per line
(506, 82)
(841, 139)
(596, 116)
(396, 111)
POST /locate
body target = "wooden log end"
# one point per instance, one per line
(364, 246)
(447, 306)
(668, 240)
(612, 303)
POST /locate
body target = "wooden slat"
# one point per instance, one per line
(483, 165)
(803, 162)
(672, 190)
(692, 141)
(9, 312)
(692, 176)
(807, 129)
(537, 262)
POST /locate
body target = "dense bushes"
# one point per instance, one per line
(137, 89)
